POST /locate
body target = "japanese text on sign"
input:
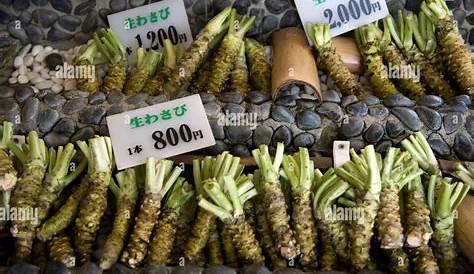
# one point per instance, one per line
(148, 26)
(341, 15)
(161, 131)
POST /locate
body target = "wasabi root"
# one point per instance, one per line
(147, 62)
(260, 71)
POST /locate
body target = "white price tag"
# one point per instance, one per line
(340, 153)
(161, 131)
(342, 15)
(148, 26)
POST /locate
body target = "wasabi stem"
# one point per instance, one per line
(155, 84)
(418, 228)
(60, 250)
(239, 77)
(147, 63)
(126, 195)
(88, 58)
(8, 174)
(465, 173)
(421, 151)
(260, 70)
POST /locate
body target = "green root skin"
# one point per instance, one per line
(399, 262)
(444, 246)
(305, 230)
(180, 241)
(65, 215)
(200, 233)
(223, 63)
(389, 226)
(409, 86)
(161, 245)
(239, 76)
(244, 239)
(338, 234)
(145, 221)
(39, 254)
(115, 78)
(260, 70)
(418, 228)
(250, 213)
(155, 85)
(361, 233)
(200, 82)
(276, 212)
(214, 248)
(8, 174)
(456, 55)
(266, 240)
(228, 248)
(60, 250)
(91, 210)
(377, 74)
(423, 260)
(85, 84)
(136, 82)
(116, 239)
(328, 257)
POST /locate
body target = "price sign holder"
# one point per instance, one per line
(342, 15)
(340, 152)
(148, 26)
(161, 131)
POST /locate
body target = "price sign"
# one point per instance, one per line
(161, 131)
(341, 15)
(148, 26)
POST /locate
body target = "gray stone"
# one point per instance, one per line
(74, 105)
(187, 269)
(269, 23)
(394, 6)
(469, 4)
(303, 140)
(153, 100)
(439, 146)
(282, 114)
(90, 22)
(463, 147)
(155, 269)
(308, 120)
(217, 129)
(23, 268)
(290, 19)
(114, 97)
(96, 98)
(21, 4)
(452, 4)
(65, 126)
(408, 117)
(40, 2)
(282, 135)
(202, 7)
(75, 93)
(259, 14)
(35, 33)
(470, 20)
(182, 94)
(262, 111)
(454, 107)
(53, 100)
(255, 269)
(307, 97)
(394, 128)
(242, 6)
(238, 134)
(30, 110)
(357, 144)
(288, 270)
(277, 6)
(289, 90)
(430, 117)
(54, 267)
(431, 101)
(464, 98)
(22, 93)
(378, 111)
(18, 33)
(55, 35)
(374, 133)
(352, 127)
(262, 135)
(231, 97)
(459, 15)
(240, 150)
(470, 125)
(137, 99)
(89, 268)
(219, 5)
(398, 100)
(62, 5)
(330, 110)
(25, 17)
(47, 120)
(287, 101)
(347, 100)
(219, 147)
(53, 60)
(357, 109)
(207, 97)
(383, 146)
(5, 17)
(92, 115)
(69, 22)
(220, 269)
(119, 268)
(212, 109)
(118, 5)
(452, 122)
(103, 13)
(332, 96)
(83, 134)
(117, 108)
(137, 3)
(84, 7)
(8, 106)
(305, 104)
(6, 92)
(371, 100)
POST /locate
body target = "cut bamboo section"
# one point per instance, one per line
(347, 48)
(464, 227)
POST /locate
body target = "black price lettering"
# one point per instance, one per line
(139, 40)
(173, 35)
(185, 133)
(151, 35)
(162, 36)
(173, 136)
(160, 143)
(354, 9)
(343, 13)
(366, 7)
(328, 14)
(348, 11)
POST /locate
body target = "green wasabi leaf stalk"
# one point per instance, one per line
(228, 207)
(375, 70)
(443, 199)
(465, 173)
(8, 173)
(160, 177)
(155, 84)
(87, 57)
(363, 174)
(161, 245)
(332, 62)
(260, 70)
(126, 196)
(421, 151)
(425, 38)
(193, 58)
(227, 52)
(455, 53)
(299, 170)
(403, 38)
(274, 201)
(25, 195)
(147, 62)
(239, 77)
(61, 250)
(92, 207)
